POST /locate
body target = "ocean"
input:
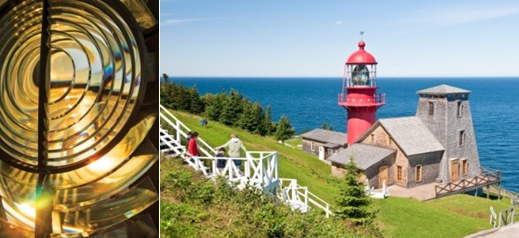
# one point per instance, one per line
(308, 102)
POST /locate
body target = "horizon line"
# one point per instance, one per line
(176, 76)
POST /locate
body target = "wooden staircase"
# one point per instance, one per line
(260, 168)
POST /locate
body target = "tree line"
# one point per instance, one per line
(231, 109)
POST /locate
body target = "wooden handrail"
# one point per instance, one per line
(465, 184)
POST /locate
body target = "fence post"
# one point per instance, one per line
(306, 197)
(247, 165)
(178, 132)
(294, 191)
(262, 170)
(276, 164)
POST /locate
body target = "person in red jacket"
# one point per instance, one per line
(192, 148)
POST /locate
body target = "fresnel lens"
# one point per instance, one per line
(78, 84)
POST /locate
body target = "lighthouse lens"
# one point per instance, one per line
(360, 75)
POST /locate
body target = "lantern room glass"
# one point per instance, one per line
(94, 174)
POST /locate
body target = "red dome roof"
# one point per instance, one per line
(361, 56)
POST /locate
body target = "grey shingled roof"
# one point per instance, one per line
(326, 136)
(364, 155)
(411, 135)
(442, 90)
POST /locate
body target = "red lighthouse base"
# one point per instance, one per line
(362, 104)
(359, 121)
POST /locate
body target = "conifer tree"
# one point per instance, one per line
(165, 77)
(232, 108)
(258, 118)
(246, 117)
(197, 105)
(182, 101)
(324, 126)
(215, 105)
(352, 202)
(268, 124)
(284, 130)
(166, 94)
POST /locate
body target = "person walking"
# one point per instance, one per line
(234, 146)
(220, 162)
(192, 147)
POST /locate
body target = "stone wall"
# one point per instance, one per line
(381, 138)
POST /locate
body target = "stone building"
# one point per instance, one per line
(323, 143)
(436, 145)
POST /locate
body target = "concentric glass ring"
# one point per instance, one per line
(94, 81)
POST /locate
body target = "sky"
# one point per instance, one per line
(314, 38)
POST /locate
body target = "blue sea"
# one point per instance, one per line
(308, 102)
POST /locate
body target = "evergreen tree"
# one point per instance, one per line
(352, 202)
(324, 126)
(258, 118)
(232, 108)
(246, 117)
(183, 98)
(268, 124)
(197, 105)
(166, 90)
(284, 130)
(165, 77)
(215, 105)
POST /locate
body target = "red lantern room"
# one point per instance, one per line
(359, 92)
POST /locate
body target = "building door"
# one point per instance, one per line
(321, 153)
(383, 175)
(455, 170)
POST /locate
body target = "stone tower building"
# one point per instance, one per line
(445, 110)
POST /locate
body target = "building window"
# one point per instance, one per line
(399, 173)
(372, 138)
(431, 108)
(460, 109)
(389, 140)
(464, 167)
(418, 173)
(462, 138)
(330, 152)
(312, 146)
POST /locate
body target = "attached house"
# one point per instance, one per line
(323, 143)
(437, 145)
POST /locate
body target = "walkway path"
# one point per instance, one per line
(421, 193)
(505, 232)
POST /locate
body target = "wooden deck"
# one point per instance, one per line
(437, 190)
(487, 177)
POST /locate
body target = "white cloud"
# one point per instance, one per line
(177, 21)
(338, 23)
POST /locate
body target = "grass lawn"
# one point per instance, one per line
(293, 163)
(452, 216)
(295, 142)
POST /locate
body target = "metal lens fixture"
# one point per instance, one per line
(77, 104)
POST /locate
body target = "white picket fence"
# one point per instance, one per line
(260, 168)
